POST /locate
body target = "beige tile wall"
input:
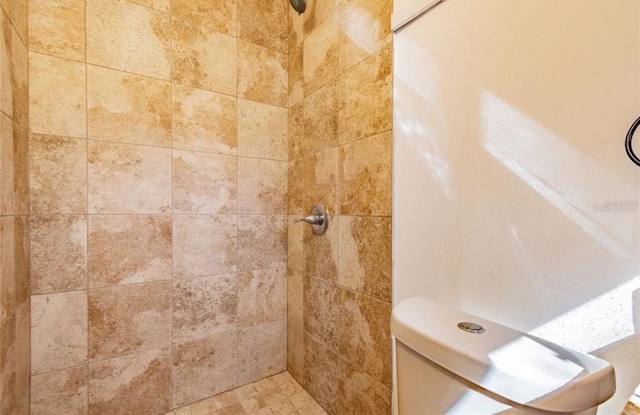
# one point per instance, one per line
(158, 199)
(14, 210)
(340, 154)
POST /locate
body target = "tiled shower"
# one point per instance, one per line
(154, 156)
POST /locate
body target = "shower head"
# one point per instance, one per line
(299, 5)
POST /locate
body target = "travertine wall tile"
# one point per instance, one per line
(129, 319)
(129, 249)
(21, 259)
(365, 255)
(262, 242)
(296, 190)
(138, 152)
(204, 58)
(296, 75)
(143, 174)
(57, 28)
(262, 351)
(128, 108)
(58, 331)
(204, 183)
(296, 131)
(204, 367)
(314, 179)
(9, 398)
(57, 96)
(322, 374)
(322, 180)
(15, 318)
(127, 36)
(135, 384)
(295, 351)
(17, 12)
(262, 130)
(365, 28)
(262, 186)
(204, 306)
(296, 29)
(58, 253)
(23, 357)
(361, 394)
(365, 98)
(365, 176)
(295, 243)
(264, 23)
(320, 120)
(20, 82)
(20, 170)
(6, 97)
(323, 311)
(60, 392)
(58, 175)
(295, 297)
(7, 155)
(320, 56)
(204, 120)
(219, 15)
(204, 245)
(161, 5)
(321, 254)
(364, 336)
(14, 168)
(14, 76)
(317, 12)
(262, 296)
(262, 74)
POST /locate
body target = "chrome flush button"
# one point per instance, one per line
(471, 327)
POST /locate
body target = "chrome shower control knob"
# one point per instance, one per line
(312, 219)
(319, 219)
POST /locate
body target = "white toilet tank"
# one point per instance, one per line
(450, 362)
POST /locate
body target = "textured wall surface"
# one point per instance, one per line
(14, 209)
(532, 202)
(158, 200)
(340, 154)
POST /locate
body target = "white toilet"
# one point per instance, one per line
(450, 362)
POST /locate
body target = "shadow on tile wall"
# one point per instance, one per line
(158, 200)
(14, 209)
(340, 123)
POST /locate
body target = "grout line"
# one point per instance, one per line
(172, 343)
(86, 213)
(237, 100)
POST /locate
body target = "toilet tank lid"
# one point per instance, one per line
(505, 363)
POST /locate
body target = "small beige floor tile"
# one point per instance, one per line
(282, 378)
(301, 399)
(279, 394)
(313, 409)
(225, 399)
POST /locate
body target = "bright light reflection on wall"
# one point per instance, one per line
(360, 21)
(557, 172)
(610, 315)
(424, 135)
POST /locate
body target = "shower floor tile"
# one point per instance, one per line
(279, 394)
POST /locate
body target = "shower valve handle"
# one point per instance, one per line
(319, 219)
(312, 219)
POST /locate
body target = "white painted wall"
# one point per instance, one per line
(513, 196)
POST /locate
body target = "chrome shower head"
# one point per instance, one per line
(299, 5)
